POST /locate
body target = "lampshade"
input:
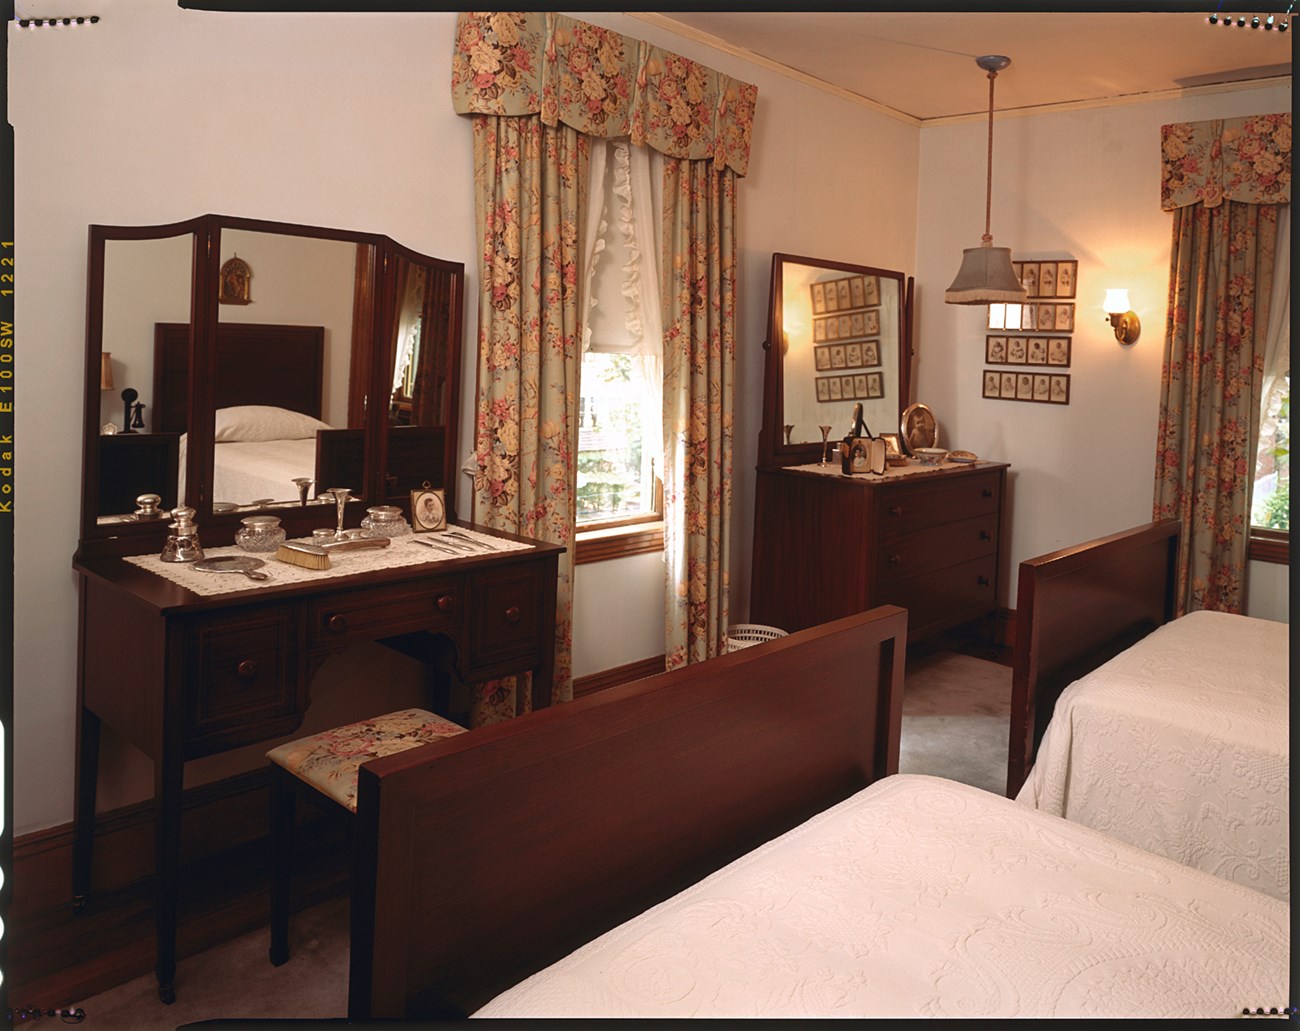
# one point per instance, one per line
(106, 371)
(1116, 302)
(985, 277)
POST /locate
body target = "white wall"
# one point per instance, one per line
(157, 114)
(1079, 184)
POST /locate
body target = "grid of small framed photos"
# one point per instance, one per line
(1029, 365)
(846, 338)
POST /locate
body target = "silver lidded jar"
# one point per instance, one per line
(260, 533)
(385, 521)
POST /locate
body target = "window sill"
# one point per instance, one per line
(1269, 546)
(618, 542)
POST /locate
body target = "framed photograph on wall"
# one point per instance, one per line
(992, 384)
(1045, 316)
(1017, 350)
(1058, 351)
(870, 353)
(1029, 278)
(995, 350)
(837, 388)
(871, 289)
(857, 324)
(832, 298)
(822, 358)
(853, 355)
(1058, 389)
(1024, 386)
(858, 292)
(875, 385)
(819, 331)
(819, 298)
(1008, 387)
(1047, 279)
(842, 294)
(837, 357)
(1066, 272)
(860, 385)
(871, 322)
(1037, 354)
(1064, 321)
(1040, 386)
(823, 389)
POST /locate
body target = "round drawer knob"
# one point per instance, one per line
(246, 670)
(985, 535)
(897, 510)
(895, 559)
(987, 492)
(337, 624)
(983, 581)
(512, 614)
(446, 603)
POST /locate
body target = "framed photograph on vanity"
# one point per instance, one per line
(428, 510)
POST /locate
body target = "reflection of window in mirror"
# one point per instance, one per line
(620, 449)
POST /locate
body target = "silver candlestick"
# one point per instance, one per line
(341, 496)
(826, 431)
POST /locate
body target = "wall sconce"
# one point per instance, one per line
(1125, 322)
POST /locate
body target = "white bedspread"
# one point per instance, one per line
(248, 470)
(1179, 745)
(921, 897)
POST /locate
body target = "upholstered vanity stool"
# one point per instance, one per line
(323, 767)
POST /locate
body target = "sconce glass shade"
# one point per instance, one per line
(106, 371)
(985, 277)
(1116, 302)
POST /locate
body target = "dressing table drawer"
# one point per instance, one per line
(907, 508)
(384, 611)
(242, 673)
(505, 617)
(936, 547)
(945, 596)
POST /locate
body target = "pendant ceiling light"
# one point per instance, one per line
(986, 275)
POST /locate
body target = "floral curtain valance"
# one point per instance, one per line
(601, 83)
(1238, 159)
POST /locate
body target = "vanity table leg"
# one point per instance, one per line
(83, 827)
(167, 848)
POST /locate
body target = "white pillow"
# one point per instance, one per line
(265, 422)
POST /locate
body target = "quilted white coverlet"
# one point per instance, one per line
(922, 897)
(1179, 745)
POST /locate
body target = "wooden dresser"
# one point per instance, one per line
(828, 545)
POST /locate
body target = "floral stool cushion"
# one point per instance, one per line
(329, 761)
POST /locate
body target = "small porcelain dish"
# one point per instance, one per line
(930, 455)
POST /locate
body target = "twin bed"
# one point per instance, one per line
(732, 839)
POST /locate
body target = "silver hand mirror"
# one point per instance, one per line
(250, 567)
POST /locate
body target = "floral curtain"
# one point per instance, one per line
(529, 189)
(1224, 181)
(699, 382)
(571, 80)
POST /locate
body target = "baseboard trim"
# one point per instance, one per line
(618, 675)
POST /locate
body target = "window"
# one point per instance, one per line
(620, 461)
(1270, 502)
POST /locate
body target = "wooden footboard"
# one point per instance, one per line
(1075, 609)
(485, 857)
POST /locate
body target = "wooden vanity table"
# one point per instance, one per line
(247, 408)
(827, 545)
(182, 675)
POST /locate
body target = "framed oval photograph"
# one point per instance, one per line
(918, 427)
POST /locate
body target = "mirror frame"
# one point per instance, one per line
(373, 318)
(772, 449)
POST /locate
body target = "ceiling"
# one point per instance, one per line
(920, 65)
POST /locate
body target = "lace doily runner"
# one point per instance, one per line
(402, 552)
(892, 472)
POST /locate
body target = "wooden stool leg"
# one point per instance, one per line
(282, 816)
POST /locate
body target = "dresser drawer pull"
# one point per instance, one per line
(983, 581)
(446, 603)
(985, 535)
(512, 614)
(987, 492)
(897, 510)
(246, 670)
(337, 624)
(895, 559)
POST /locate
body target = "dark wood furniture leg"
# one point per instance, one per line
(169, 774)
(282, 810)
(83, 827)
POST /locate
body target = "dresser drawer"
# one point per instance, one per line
(241, 671)
(506, 609)
(944, 597)
(376, 612)
(936, 547)
(909, 507)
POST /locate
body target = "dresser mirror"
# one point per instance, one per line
(839, 335)
(263, 364)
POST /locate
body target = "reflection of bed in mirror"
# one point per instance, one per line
(267, 390)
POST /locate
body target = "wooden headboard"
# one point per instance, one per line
(486, 856)
(257, 364)
(1077, 608)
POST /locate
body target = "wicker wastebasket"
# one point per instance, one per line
(744, 635)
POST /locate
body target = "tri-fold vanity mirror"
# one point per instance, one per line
(839, 335)
(238, 366)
